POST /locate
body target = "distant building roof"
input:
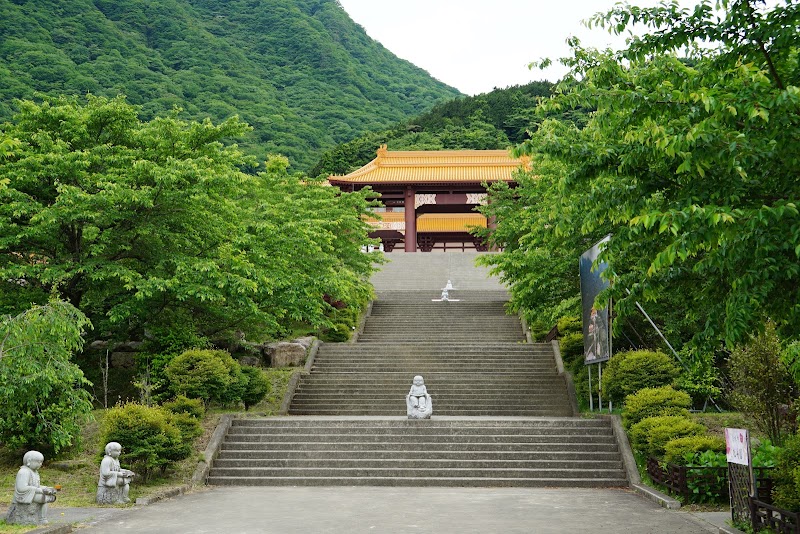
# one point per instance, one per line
(439, 166)
(430, 222)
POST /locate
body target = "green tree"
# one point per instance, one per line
(148, 225)
(762, 386)
(42, 393)
(690, 162)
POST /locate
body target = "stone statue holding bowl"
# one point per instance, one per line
(29, 506)
(114, 483)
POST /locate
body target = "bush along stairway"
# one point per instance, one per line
(501, 412)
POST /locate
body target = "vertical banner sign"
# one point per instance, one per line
(596, 338)
(740, 473)
(737, 446)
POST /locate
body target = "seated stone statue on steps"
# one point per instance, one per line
(418, 401)
(29, 506)
(114, 483)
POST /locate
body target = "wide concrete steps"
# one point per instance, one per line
(531, 452)
(479, 379)
(506, 378)
(428, 272)
(412, 316)
(426, 297)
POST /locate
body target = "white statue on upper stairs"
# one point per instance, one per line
(446, 293)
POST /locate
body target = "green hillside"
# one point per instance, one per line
(301, 72)
(494, 120)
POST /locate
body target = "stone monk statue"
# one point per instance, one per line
(29, 506)
(418, 401)
(114, 483)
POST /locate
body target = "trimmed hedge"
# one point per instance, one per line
(338, 333)
(676, 450)
(211, 375)
(571, 347)
(650, 402)
(150, 437)
(569, 325)
(182, 404)
(628, 372)
(649, 436)
(539, 330)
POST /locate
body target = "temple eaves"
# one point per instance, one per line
(439, 166)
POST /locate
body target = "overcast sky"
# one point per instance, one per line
(477, 45)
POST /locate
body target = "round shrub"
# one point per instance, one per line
(257, 386)
(211, 375)
(238, 382)
(649, 436)
(571, 347)
(189, 426)
(650, 402)
(570, 324)
(677, 450)
(339, 333)
(628, 372)
(539, 330)
(183, 404)
(150, 439)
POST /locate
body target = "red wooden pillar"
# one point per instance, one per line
(411, 220)
(491, 222)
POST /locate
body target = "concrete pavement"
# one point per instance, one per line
(352, 510)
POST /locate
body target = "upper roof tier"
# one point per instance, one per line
(435, 166)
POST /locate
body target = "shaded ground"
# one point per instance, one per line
(394, 510)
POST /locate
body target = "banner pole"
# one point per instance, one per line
(600, 386)
(591, 393)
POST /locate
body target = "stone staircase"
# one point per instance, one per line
(478, 379)
(501, 410)
(477, 317)
(552, 452)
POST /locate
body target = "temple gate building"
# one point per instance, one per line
(430, 197)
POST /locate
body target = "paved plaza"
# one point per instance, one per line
(353, 510)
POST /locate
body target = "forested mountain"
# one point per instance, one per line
(300, 72)
(494, 120)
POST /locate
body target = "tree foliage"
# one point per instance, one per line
(41, 391)
(301, 72)
(689, 161)
(487, 121)
(258, 385)
(146, 226)
(762, 386)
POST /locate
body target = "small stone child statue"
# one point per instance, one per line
(114, 483)
(418, 393)
(418, 401)
(30, 497)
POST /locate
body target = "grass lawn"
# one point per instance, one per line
(77, 470)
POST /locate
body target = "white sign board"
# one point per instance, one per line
(737, 446)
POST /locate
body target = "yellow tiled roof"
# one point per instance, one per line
(389, 217)
(449, 222)
(441, 166)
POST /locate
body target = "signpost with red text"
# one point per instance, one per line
(740, 472)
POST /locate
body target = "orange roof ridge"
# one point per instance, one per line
(429, 166)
